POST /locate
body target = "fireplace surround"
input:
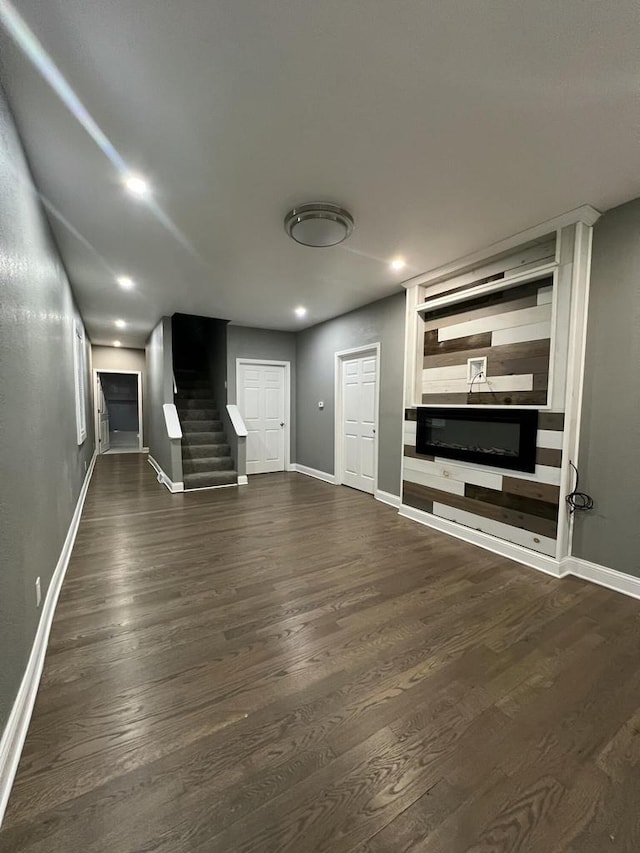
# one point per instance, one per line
(501, 438)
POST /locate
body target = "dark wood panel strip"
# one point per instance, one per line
(548, 456)
(524, 521)
(499, 398)
(504, 352)
(410, 414)
(432, 346)
(520, 503)
(541, 381)
(551, 420)
(517, 366)
(499, 302)
(411, 496)
(410, 452)
(531, 489)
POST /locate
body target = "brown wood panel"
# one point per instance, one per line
(518, 366)
(502, 353)
(411, 453)
(531, 489)
(410, 414)
(540, 381)
(507, 398)
(551, 420)
(412, 496)
(521, 503)
(432, 346)
(548, 456)
(235, 670)
(523, 520)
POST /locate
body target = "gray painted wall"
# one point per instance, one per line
(610, 433)
(41, 466)
(383, 322)
(246, 342)
(166, 452)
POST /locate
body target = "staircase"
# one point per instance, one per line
(205, 453)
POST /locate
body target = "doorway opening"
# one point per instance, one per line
(118, 409)
(357, 389)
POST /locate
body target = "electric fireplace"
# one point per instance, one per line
(502, 438)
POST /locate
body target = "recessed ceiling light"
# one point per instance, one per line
(137, 186)
(397, 264)
(117, 344)
(120, 324)
(125, 282)
(300, 311)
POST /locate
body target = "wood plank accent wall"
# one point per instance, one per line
(512, 328)
(518, 507)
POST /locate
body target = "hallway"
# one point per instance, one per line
(291, 666)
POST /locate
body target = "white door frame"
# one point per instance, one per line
(287, 399)
(96, 416)
(340, 358)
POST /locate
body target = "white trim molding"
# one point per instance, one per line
(387, 498)
(17, 725)
(243, 480)
(533, 559)
(313, 472)
(164, 478)
(601, 575)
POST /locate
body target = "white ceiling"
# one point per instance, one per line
(442, 126)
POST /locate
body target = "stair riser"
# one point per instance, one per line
(198, 415)
(204, 438)
(195, 403)
(194, 394)
(204, 451)
(206, 466)
(202, 481)
(201, 426)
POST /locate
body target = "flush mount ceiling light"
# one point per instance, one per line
(318, 224)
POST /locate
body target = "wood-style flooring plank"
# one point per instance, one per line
(291, 666)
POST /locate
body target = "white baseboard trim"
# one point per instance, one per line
(17, 725)
(603, 576)
(498, 546)
(313, 472)
(387, 498)
(145, 450)
(164, 479)
(243, 480)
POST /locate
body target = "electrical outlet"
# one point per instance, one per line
(477, 370)
(38, 592)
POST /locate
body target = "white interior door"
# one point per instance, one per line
(262, 404)
(103, 418)
(359, 414)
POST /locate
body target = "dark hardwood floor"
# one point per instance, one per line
(292, 667)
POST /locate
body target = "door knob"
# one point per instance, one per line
(282, 424)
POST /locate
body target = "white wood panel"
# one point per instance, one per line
(534, 332)
(434, 374)
(497, 528)
(550, 438)
(521, 317)
(445, 470)
(545, 295)
(542, 474)
(409, 433)
(512, 382)
(444, 484)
